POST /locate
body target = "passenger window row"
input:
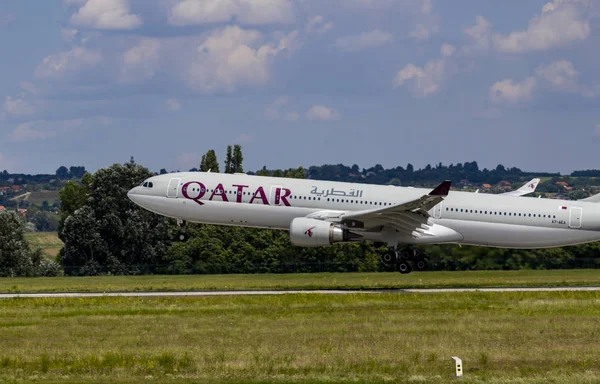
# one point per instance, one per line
(296, 197)
(513, 214)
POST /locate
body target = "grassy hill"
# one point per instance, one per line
(38, 197)
(48, 241)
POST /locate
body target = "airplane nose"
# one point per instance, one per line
(131, 194)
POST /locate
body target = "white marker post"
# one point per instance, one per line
(459, 366)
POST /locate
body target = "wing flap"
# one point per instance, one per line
(410, 217)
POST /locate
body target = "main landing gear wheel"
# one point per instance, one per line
(388, 258)
(404, 266)
(421, 265)
(407, 259)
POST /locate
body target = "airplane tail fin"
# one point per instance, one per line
(529, 186)
(592, 199)
(526, 189)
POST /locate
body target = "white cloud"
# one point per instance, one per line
(317, 24)
(426, 80)
(560, 23)
(45, 130)
(428, 22)
(323, 113)
(106, 14)
(424, 31)
(63, 63)
(32, 131)
(173, 105)
(68, 34)
(248, 12)
(511, 92)
(561, 75)
(480, 35)
(447, 50)
(17, 107)
(232, 56)
(141, 61)
(365, 40)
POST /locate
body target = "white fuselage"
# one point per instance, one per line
(267, 202)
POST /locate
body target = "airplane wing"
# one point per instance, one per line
(528, 187)
(410, 217)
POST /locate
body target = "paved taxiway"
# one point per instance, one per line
(283, 292)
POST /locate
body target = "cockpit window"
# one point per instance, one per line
(145, 184)
(150, 185)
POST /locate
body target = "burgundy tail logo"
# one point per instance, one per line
(309, 231)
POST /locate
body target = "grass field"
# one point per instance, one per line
(304, 338)
(38, 197)
(304, 281)
(48, 241)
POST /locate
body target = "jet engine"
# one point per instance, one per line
(306, 232)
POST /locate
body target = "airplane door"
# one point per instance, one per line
(437, 211)
(575, 216)
(173, 188)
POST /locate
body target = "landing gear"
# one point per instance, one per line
(406, 259)
(404, 266)
(182, 236)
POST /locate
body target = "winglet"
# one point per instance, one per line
(442, 189)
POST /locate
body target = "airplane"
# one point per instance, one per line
(321, 213)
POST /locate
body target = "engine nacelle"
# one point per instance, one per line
(306, 232)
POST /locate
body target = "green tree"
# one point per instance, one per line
(229, 160)
(16, 257)
(237, 160)
(72, 197)
(109, 233)
(209, 162)
(63, 173)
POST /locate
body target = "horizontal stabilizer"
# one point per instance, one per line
(592, 199)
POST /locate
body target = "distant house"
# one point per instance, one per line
(16, 188)
(505, 183)
(2, 208)
(563, 183)
(486, 186)
(22, 211)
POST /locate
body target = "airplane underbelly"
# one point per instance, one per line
(230, 213)
(518, 236)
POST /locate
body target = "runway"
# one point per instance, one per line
(284, 292)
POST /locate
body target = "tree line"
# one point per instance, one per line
(105, 233)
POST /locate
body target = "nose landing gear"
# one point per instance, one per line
(405, 260)
(182, 236)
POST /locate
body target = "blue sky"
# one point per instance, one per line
(300, 82)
